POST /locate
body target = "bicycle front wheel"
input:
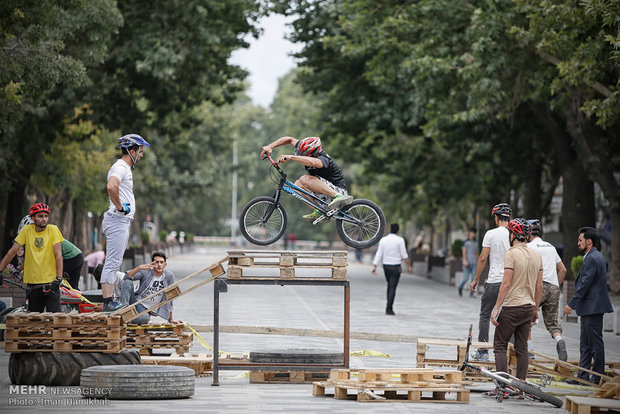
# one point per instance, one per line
(365, 227)
(260, 227)
(536, 392)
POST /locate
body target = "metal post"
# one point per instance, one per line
(218, 286)
(233, 210)
(347, 300)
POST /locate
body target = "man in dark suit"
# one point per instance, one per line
(590, 301)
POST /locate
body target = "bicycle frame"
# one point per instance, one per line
(293, 190)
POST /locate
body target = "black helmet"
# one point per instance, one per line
(536, 227)
(503, 210)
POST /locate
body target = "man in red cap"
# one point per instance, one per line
(43, 260)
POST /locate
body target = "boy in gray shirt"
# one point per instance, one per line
(153, 277)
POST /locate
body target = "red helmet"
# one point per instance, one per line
(521, 228)
(309, 147)
(38, 208)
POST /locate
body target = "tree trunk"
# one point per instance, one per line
(532, 194)
(577, 210)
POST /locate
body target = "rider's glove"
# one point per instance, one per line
(125, 208)
(56, 284)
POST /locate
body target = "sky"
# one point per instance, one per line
(267, 59)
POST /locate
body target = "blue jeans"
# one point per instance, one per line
(468, 276)
(128, 297)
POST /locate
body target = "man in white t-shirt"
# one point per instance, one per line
(495, 244)
(554, 272)
(391, 252)
(117, 220)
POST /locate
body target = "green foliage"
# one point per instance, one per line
(145, 237)
(575, 264)
(457, 248)
(163, 236)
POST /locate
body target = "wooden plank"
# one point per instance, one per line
(581, 405)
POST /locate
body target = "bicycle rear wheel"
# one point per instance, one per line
(259, 229)
(368, 227)
(536, 392)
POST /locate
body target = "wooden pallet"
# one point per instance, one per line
(169, 328)
(51, 345)
(62, 332)
(60, 319)
(587, 405)
(609, 389)
(174, 340)
(412, 385)
(146, 338)
(325, 265)
(147, 350)
(553, 366)
(287, 377)
(202, 364)
(115, 333)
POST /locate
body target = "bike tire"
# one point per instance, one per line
(535, 391)
(371, 227)
(255, 229)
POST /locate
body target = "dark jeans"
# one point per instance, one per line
(591, 347)
(72, 267)
(42, 297)
(487, 303)
(392, 276)
(515, 320)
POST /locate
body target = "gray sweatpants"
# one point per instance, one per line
(116, 231)
(487, 303)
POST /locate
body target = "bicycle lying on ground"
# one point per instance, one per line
(263, 220)
(507, 384)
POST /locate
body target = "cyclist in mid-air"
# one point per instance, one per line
(324, 178)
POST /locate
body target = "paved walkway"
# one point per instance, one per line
(423, 308)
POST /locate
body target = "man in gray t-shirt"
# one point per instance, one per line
(470, 259)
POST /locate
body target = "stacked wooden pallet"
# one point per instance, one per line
(323, 265)
(202, 364)
(411, 385)
(63, 332)
(587, 405)
(147, 338)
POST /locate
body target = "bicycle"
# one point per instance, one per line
(263, 220)
(506, 383)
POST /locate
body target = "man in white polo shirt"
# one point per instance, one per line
(391, 252)
(117, 220)
(554, 272)
(495, 244)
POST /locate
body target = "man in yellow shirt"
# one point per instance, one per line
(43, 260)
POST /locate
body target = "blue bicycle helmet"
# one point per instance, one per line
(132, 140)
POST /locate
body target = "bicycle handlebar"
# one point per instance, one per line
(267, 155)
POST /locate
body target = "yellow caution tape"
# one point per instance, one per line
(2, 326)
(200, 340)
(67, 285)
(369, 353)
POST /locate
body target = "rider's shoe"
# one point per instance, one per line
(560, 346)
(315, 215)
(481, 355)
(112, 306)
(339, 200)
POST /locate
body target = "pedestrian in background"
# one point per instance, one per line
(391, 252)
(72, 261)
(43, 260)
(495, 244)
(117, 220)
(470, 260)
(554, 272)
(591, 302)
(518, 297)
